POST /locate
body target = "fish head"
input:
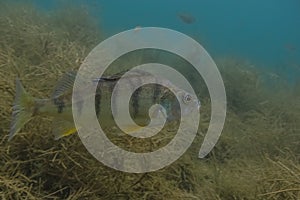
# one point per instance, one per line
(189, 102)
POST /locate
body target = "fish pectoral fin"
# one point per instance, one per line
(63, 128)
(158, 112)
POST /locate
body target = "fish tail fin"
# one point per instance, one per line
(23, 109)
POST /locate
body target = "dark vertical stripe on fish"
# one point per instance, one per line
(98, 100)
(59, 104)
(111, 87)
(157, 90)
(135, 97)
(135, 102)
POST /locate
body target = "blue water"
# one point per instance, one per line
(266, 33)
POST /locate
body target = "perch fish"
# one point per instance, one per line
(59, 106)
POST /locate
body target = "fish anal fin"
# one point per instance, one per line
(62, 128)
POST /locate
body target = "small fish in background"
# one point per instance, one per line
(290, 47)
(186, 18)
(59, 106)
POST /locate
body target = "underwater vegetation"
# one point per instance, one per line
(257, 156)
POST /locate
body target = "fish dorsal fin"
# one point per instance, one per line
(110, 78)
(65, 84)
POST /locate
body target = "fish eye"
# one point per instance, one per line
(187, 98)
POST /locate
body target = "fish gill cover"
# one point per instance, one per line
(257, 156)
